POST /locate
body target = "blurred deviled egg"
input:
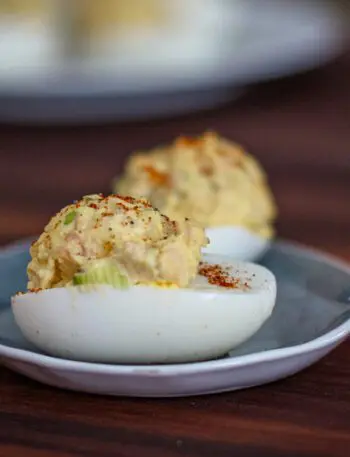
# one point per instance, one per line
(212, 181)
(157, 38)
(111, 279)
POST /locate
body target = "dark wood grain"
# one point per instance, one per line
(300, 129)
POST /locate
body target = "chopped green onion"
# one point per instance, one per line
(102, 275)
(70, 217)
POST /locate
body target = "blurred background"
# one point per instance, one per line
(67, 61)
(83, 83)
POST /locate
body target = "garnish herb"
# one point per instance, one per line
(70, 217)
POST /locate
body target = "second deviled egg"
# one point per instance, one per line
(213, 182)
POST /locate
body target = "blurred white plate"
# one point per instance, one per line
(276, 39)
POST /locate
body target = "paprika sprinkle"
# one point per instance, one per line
(217, 275)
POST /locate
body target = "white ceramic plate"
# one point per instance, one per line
(276, 39)
(311, 317)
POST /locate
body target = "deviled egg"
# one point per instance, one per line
(113, 280)
(212, 181)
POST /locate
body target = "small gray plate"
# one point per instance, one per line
(311, 317)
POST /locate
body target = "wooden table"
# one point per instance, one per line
(300, 129)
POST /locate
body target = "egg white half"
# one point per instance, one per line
(145, 324)
(236, 242)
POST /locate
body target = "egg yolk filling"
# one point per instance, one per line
(116, 240)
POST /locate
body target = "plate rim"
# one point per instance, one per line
(328, 339)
